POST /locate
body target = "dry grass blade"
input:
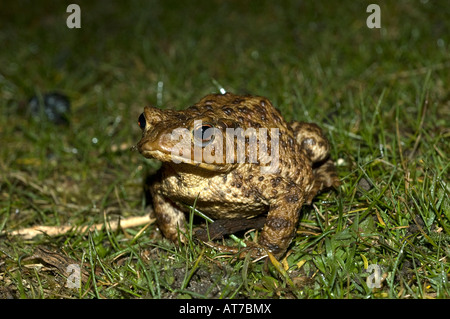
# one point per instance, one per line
(53, 231)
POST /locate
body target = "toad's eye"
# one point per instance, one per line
(203, 134)
(141, 121)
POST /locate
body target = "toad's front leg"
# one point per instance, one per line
(171, 219)
(281, 223)
(285, 200)
(279, 227)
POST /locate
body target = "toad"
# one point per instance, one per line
(235, 157)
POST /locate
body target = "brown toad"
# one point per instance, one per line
(236, 157)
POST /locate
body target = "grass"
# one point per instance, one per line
(382, 95)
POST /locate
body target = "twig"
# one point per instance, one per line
(53, 231)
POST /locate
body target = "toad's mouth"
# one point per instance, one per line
(171, 156)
